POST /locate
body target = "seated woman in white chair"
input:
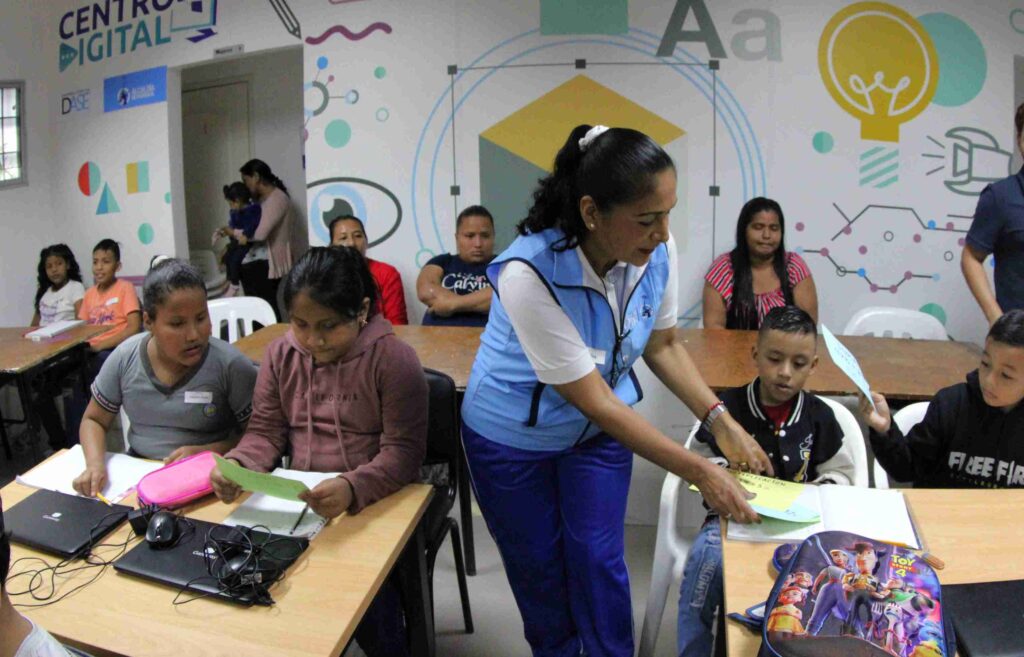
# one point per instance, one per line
(183, 391)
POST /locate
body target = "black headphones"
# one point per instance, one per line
(244, 562)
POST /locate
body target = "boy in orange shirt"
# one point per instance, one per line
(108, 302)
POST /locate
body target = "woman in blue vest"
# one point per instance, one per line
(589, 286)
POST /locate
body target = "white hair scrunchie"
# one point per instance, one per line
(591, 135)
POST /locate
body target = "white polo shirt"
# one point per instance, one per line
(550, 340)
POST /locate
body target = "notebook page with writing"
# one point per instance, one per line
(876, 513)
(279, 515)
(57, 473)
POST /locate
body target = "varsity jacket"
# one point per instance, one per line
(808, 447)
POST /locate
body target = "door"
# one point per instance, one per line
(215, 143)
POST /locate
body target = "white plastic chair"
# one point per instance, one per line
(239, 313)
(905, 419)
(885, 322)
(670, 550)
(853, 436)
(672, 544)
(206, 262)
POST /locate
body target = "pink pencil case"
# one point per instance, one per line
(178, 483)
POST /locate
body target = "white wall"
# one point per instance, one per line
(275, 118)
(27, 219)
(773, 111)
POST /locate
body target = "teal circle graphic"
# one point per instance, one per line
(936, 311)
(1017, 23)
(822, 142)
(146, 233)
(962, 62)
(422, 256)
(167, 197)
(380, 72)
(338, 133)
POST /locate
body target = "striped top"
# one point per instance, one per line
(720, 277)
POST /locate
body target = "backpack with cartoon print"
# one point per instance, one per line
(844, 595)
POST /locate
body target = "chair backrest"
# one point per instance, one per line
(885, 322)
(239, 313)
(905, 419)
(443, 431)
(854, 437)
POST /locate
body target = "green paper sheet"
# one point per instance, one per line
(259, 482)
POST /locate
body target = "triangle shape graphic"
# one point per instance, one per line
(108, 204)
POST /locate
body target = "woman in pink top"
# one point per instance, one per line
(270, 258)
(759, 274)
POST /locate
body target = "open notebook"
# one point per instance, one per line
(278, 515)
(57, 473)
(875, 513)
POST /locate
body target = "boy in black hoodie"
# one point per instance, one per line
(971, 436)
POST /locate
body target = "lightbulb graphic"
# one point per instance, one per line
(880, 65)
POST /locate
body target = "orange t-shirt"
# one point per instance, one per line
(112, 306)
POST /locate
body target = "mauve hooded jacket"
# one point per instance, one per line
(364, 415)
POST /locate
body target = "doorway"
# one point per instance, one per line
(233, 110)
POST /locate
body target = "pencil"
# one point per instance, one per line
(104, 499)
(299, 521)
(287, 16)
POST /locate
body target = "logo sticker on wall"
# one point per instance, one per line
(76, 101)
(101, 30)
(133, 89)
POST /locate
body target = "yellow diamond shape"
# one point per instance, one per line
(536, 131)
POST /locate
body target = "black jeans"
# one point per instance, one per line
(256, 283)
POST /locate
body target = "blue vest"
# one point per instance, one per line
(504, 400)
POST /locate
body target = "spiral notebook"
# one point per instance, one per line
(278, 515)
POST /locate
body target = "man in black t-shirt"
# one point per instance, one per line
(455, 287)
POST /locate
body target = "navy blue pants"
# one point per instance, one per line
(558, 519)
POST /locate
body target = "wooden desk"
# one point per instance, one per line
(909, 370)
(974, 531)
(448, 349)
(318, 603)
(21, 359)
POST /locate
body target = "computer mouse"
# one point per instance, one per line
(162, 531)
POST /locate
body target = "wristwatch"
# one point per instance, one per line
(713, 413)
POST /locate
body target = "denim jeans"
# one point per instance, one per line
(700, 594)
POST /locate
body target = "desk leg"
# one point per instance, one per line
(416, 597)
(5, 439)
(466, 512)
(31, 421)
(465, 501)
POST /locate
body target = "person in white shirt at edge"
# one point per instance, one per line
(589, 286)
(20, 637)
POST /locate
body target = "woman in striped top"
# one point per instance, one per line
(759, 274)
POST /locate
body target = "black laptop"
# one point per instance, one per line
(987, 617)
(185, 565)
(62, 524)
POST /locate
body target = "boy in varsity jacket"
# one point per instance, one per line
(971, 436)
(798, 431)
